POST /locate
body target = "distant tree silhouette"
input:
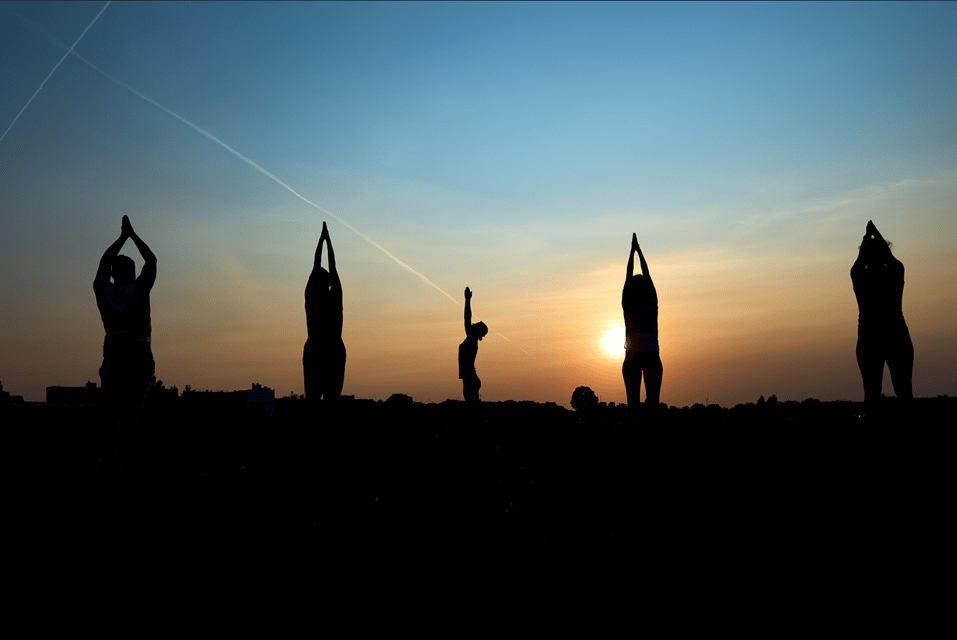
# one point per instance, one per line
(400, 399)
(811, 407)
(584, 399)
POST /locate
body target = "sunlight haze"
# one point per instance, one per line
(511, 148)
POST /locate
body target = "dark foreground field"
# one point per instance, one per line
(513, 481)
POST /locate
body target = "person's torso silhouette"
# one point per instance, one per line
(641, 320)
(879, 289)
(468, 351)
(324, 309)
(125, 309)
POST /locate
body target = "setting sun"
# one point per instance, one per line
(614, 340)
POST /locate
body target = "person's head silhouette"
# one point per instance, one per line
(123, 270)
(478, 330)
(638, 289)
(322, 280)
(874, 250)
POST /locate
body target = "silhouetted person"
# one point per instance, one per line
(128, 365)
(324, 356)
(467, 352)
(882, 334)
(639, 302)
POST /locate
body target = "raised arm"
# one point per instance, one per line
(106, 262)
(880, 248)
(148, 274)
(144, 250)
(861, 259)
(631, 257)
(468, 310)
(317, 261)
(332, 254)
(641, 260)
(336, 284)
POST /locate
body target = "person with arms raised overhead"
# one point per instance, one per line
(467, 352)
(882, 335)
(639, 302)
(128, 365)
(324, 355)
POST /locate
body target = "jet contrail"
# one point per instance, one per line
(507, 340)
(209, 136)
(255, 166)
(69, 51)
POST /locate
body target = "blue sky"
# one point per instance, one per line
(509, 147)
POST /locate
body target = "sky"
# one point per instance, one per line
(511, 148)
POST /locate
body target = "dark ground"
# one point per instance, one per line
(697, 493)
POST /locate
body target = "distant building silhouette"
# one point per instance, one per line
(214, 400)
(260, 397)
(86, 396)
(6, 398)
(257, 397)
